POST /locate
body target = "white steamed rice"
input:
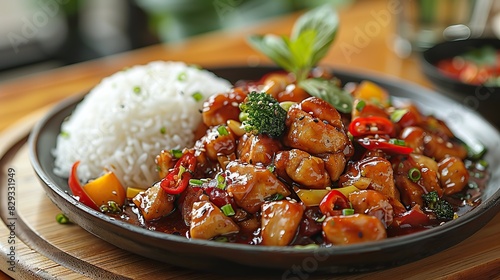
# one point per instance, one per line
(126, 120)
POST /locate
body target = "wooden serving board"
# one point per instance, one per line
(46, 249)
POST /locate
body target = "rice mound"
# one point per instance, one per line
(127, 119)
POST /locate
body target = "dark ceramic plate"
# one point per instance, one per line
(237, 258)
(477, 97)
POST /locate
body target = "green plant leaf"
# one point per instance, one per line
(311, 37)
(301, 50)
(275, 48)
(324, 21)
(330, 92)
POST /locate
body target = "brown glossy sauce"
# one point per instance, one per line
(462, 202)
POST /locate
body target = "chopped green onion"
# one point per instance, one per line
(163, 130)
(221, 239)
(347, 211)
(228, 210)
(361, 104)
(197, 96)
(398, 114)
(196, 182)
(274, 197)
(64, 134)
(287, 104)
(271, 167)
(137, 89)
(475, 150)
(110, 207)
(482, 164)
(397, 142)
(176, 153)
(62, 219)
(414, 174)
(320, 219)
(182, 76)
(222, 130)
(221, 182)
(158, 168)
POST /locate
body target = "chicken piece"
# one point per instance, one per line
(208, 221)
(188, 198)
(315, 133)
(373, 203)
(217, 144)
(410, 192)
(250, 185)
(357, 228)
(414, 138)
(432, 143)
(164, 161)
(306, 170)
(222, 107)
(280, 221)
(374, 173)
(321, 109)
(256, 149)
(334, 164)
(426, 176)
(439, 148)
(454, 176)
(249, 225)
(154, 202)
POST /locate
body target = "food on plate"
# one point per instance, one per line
(476, 66)
(299, 158)
(132, 115)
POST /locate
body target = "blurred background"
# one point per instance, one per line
(37, 35)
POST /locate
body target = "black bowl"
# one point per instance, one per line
(238, 258)
(481, 98)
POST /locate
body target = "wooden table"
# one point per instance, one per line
(363, 43)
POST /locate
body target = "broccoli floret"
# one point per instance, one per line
(262, 114)
(440, 207)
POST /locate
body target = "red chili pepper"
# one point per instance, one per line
(371, 125)
(175, 184)
(77, 189)
(373, 144)
(333, 203)
(415, 218)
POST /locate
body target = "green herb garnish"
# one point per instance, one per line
(311, 37)
(64, 134)
(414, 174)
(62, 219)
(222, 130)
(176, 153)
(228, 210)
(197, 96)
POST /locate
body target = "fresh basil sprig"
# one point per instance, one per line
(311, 37)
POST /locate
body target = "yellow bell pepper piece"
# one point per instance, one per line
(312, 197)
(132, 192)
(106, 188)
(371, 93)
